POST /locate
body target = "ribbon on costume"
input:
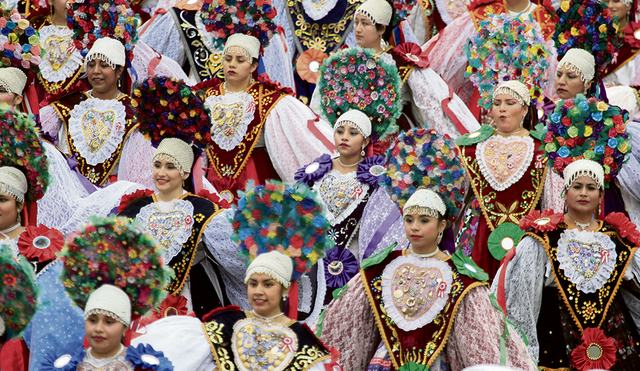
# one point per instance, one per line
(316, 132)
(73, 165)
(449, 112)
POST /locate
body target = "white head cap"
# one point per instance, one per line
(109, 50)
(248, 45)
(425, 202)
(627, 2)
(357, 120)
(378, 11)
(13, 182)
(110, 301)
(12, 80)
(178, 152)
(581, 62)
(274, 264)
(583, 167)
(515, 89)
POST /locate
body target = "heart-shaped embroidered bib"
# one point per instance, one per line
(171, 229)
(503, 161)
(415, 290)
(231, 115)
(58, 50)
(61, 59)
(258, 346)
(97, 127)
(341, 193)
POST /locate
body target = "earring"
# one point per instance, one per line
(285, 296)
(439, 239)
(362, 152)
(19, 219)
(383, 44)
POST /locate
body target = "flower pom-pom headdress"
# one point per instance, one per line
(290, 220)
(18, 293)
(357, 79)
(114, 251)
(506, 49)
(169, 108)
(21, 147)
(19, 43)
(582, 128)
(587, 25)
(422, 158)
(220, 19)
(94, 19)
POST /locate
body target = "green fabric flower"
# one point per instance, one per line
(476, 137)
(465, 265)
(412, 366)
(503, 239)
(377, 258)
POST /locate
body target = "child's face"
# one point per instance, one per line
(104, 335)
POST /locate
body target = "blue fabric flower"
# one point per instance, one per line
(599, 150)
(340, 266)
(563, 152)
(29, 31)
(370, 170)
(556, 117)
(612, 142)
(62, 359)
(597, 116)
(316, 172)
(146, 357)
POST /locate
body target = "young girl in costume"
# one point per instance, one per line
(363, 218)
(569, 283)
(432, 310)
(259, 131)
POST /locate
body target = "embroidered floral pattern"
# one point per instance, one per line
(231, 115)
(61, 58)
(169, 228)
(503, 161)
(257, 345)
(341, 193)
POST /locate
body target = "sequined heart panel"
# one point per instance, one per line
(586, 258)
(258, 346)
(164, 227)
(97, 127)
(58, 51)
(226, 118)
(503, 161)
(417, 289)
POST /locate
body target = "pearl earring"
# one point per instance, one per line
(362, 152)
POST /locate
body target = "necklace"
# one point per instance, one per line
(429, 255)
(352, 165)
(90, 92)
(107, 359)
(266, 320)
(226, 91)
(10, 229)
(583, 226)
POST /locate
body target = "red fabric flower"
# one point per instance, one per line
(625, 227)
(126, 199)
(541, 221)
(214, 198)
(632, 35)
(308, 65)
(172, 306)
(40, 243)
(596, 351)
(412, 53)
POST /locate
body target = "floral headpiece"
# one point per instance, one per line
(20, 147)
(506, 49)
(422, 158)
(19, 43)
(290, 220)
(169, 108)
(94, 19)
(588, 25)
(357, 79)
(18, 293)
(223, 18)
(590, 129)
(118, 252)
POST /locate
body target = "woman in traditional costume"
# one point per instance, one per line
(348, 188)
(432, 310)
(569, 283)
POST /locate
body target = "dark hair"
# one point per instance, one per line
(531, 118)
(388, 30)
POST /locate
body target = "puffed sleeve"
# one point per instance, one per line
(136, 161)
(164, 37)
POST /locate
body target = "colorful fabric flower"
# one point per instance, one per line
(171, 306)
(503, 239)
(340, 266)
(147, 358)
(40, 243)
(18, 292)
(371, 169)
(308, 65)
(62, 358)
(595, 352)
(19, 43)
(626, 228)
(465, 265)
(632, 35)
(412, 54)
(541, 222)
(314, 171)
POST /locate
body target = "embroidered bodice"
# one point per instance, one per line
(62, 62)
(504, 160)
(341, 194)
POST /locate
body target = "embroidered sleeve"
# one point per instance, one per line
(164, 37)
(351, 314)
(523, 288)
(288, 140)
(475, 339)
(136, 161)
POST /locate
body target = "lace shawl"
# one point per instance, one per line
(379, 209)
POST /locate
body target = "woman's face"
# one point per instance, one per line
(59, 6)
(618, 9)
(583, 196)
(102, 77)
(237, 67)
(9, 210)
(104, 335)
(349, 142)
(367, 36)
(569, 84)
(166, 176)
(507, 113)
(265, 294)
(422, 230)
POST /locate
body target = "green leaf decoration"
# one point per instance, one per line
(539, 132)
(412, 366)
(320, 322)
(503, 239)
(377, 258)
(337, 294)
(476, 137)
(468, 267)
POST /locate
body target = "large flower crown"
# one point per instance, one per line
(169, 108)
(588, 25)
(505, 49)
(357, 79)
(223, 18)
(18, 292)
(19, 43)
(290, 220)
(94, 19)
(115, 251)
(20, 147)
(422, 158)
(590, 129)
